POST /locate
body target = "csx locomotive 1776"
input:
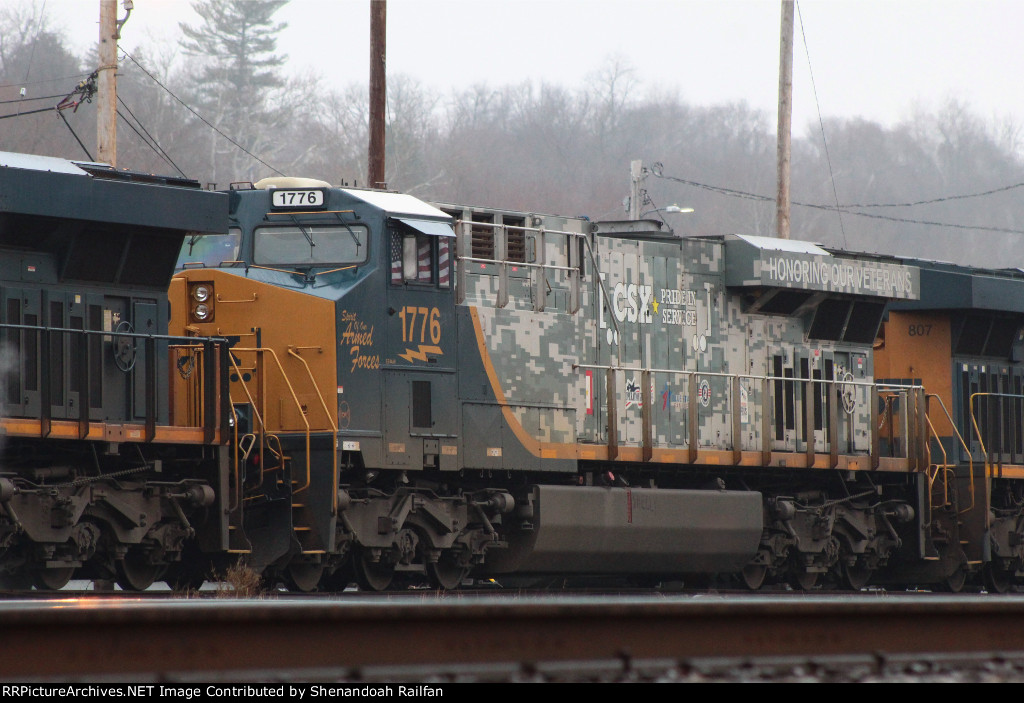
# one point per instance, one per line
(355, 385)
(437, 391)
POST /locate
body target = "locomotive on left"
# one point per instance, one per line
(97, 475)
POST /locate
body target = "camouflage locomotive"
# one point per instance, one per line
(347, 385)
(444, 391)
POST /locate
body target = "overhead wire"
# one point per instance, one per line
(846, 209)
(821, 125)
(26, 99)
(200, 117)
(148, 138)
(44, 80)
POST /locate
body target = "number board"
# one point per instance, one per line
(297, 199)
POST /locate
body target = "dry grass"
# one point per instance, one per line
(239, 581)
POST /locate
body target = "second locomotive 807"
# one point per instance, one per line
(437, 391)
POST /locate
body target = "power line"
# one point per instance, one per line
(43, 80)
(943, 199)
(30, 112)
(845, 209)
(821, 124)
(200, 117)
(148, 138)
(25, 100)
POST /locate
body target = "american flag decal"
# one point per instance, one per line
(396, 257)
(442, 262)
(423, 272)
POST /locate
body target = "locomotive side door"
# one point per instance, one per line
(421, 417)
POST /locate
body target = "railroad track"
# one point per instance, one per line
(81, 638)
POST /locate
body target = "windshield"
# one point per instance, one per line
(210, 249)
(307, 245)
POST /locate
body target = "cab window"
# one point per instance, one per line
(310, 245)
(420, 258)
(210, 250)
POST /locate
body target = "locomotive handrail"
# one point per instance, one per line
(259, 351)
(977, 430)
(85, 357)
(256, 413)
(464, 230)
(945, 458)
(914, 452)
(758, 377)
(112, 333)
(330, 421)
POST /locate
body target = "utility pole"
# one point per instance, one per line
(785, 119)
(636, 192)
(378, 92)
(106, 108)
(106, 89)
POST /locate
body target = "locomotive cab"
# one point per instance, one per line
(340, 308)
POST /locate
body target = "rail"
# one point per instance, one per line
(815, 408)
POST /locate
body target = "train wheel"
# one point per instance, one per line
(135, 572)
(753, 576)
(184, 579)
(374, 576)
(957, 579)
(997, 579)
(339, 579)
(856, 577)
(803, 580)
(447, 572)
(52, 579)
(304, 576)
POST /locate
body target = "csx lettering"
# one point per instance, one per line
(632, 302)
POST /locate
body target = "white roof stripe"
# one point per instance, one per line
(397, 203)
(773, 244)
(31, 162)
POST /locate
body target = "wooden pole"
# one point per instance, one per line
(785, 118)
(378, 92)
(106, 97)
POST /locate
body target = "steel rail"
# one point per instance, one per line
(83, 637)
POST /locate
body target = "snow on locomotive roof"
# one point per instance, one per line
(397, 203)
(32, 162)
(790, 245)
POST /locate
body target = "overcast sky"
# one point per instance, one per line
(870, 58)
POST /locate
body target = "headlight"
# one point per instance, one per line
(202, 301)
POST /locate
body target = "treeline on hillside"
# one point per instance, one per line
(531, 146)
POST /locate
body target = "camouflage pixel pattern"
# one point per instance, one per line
(665, 306)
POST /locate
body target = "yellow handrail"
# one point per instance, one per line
(334, 429)
(284, 377)
(963, 443)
